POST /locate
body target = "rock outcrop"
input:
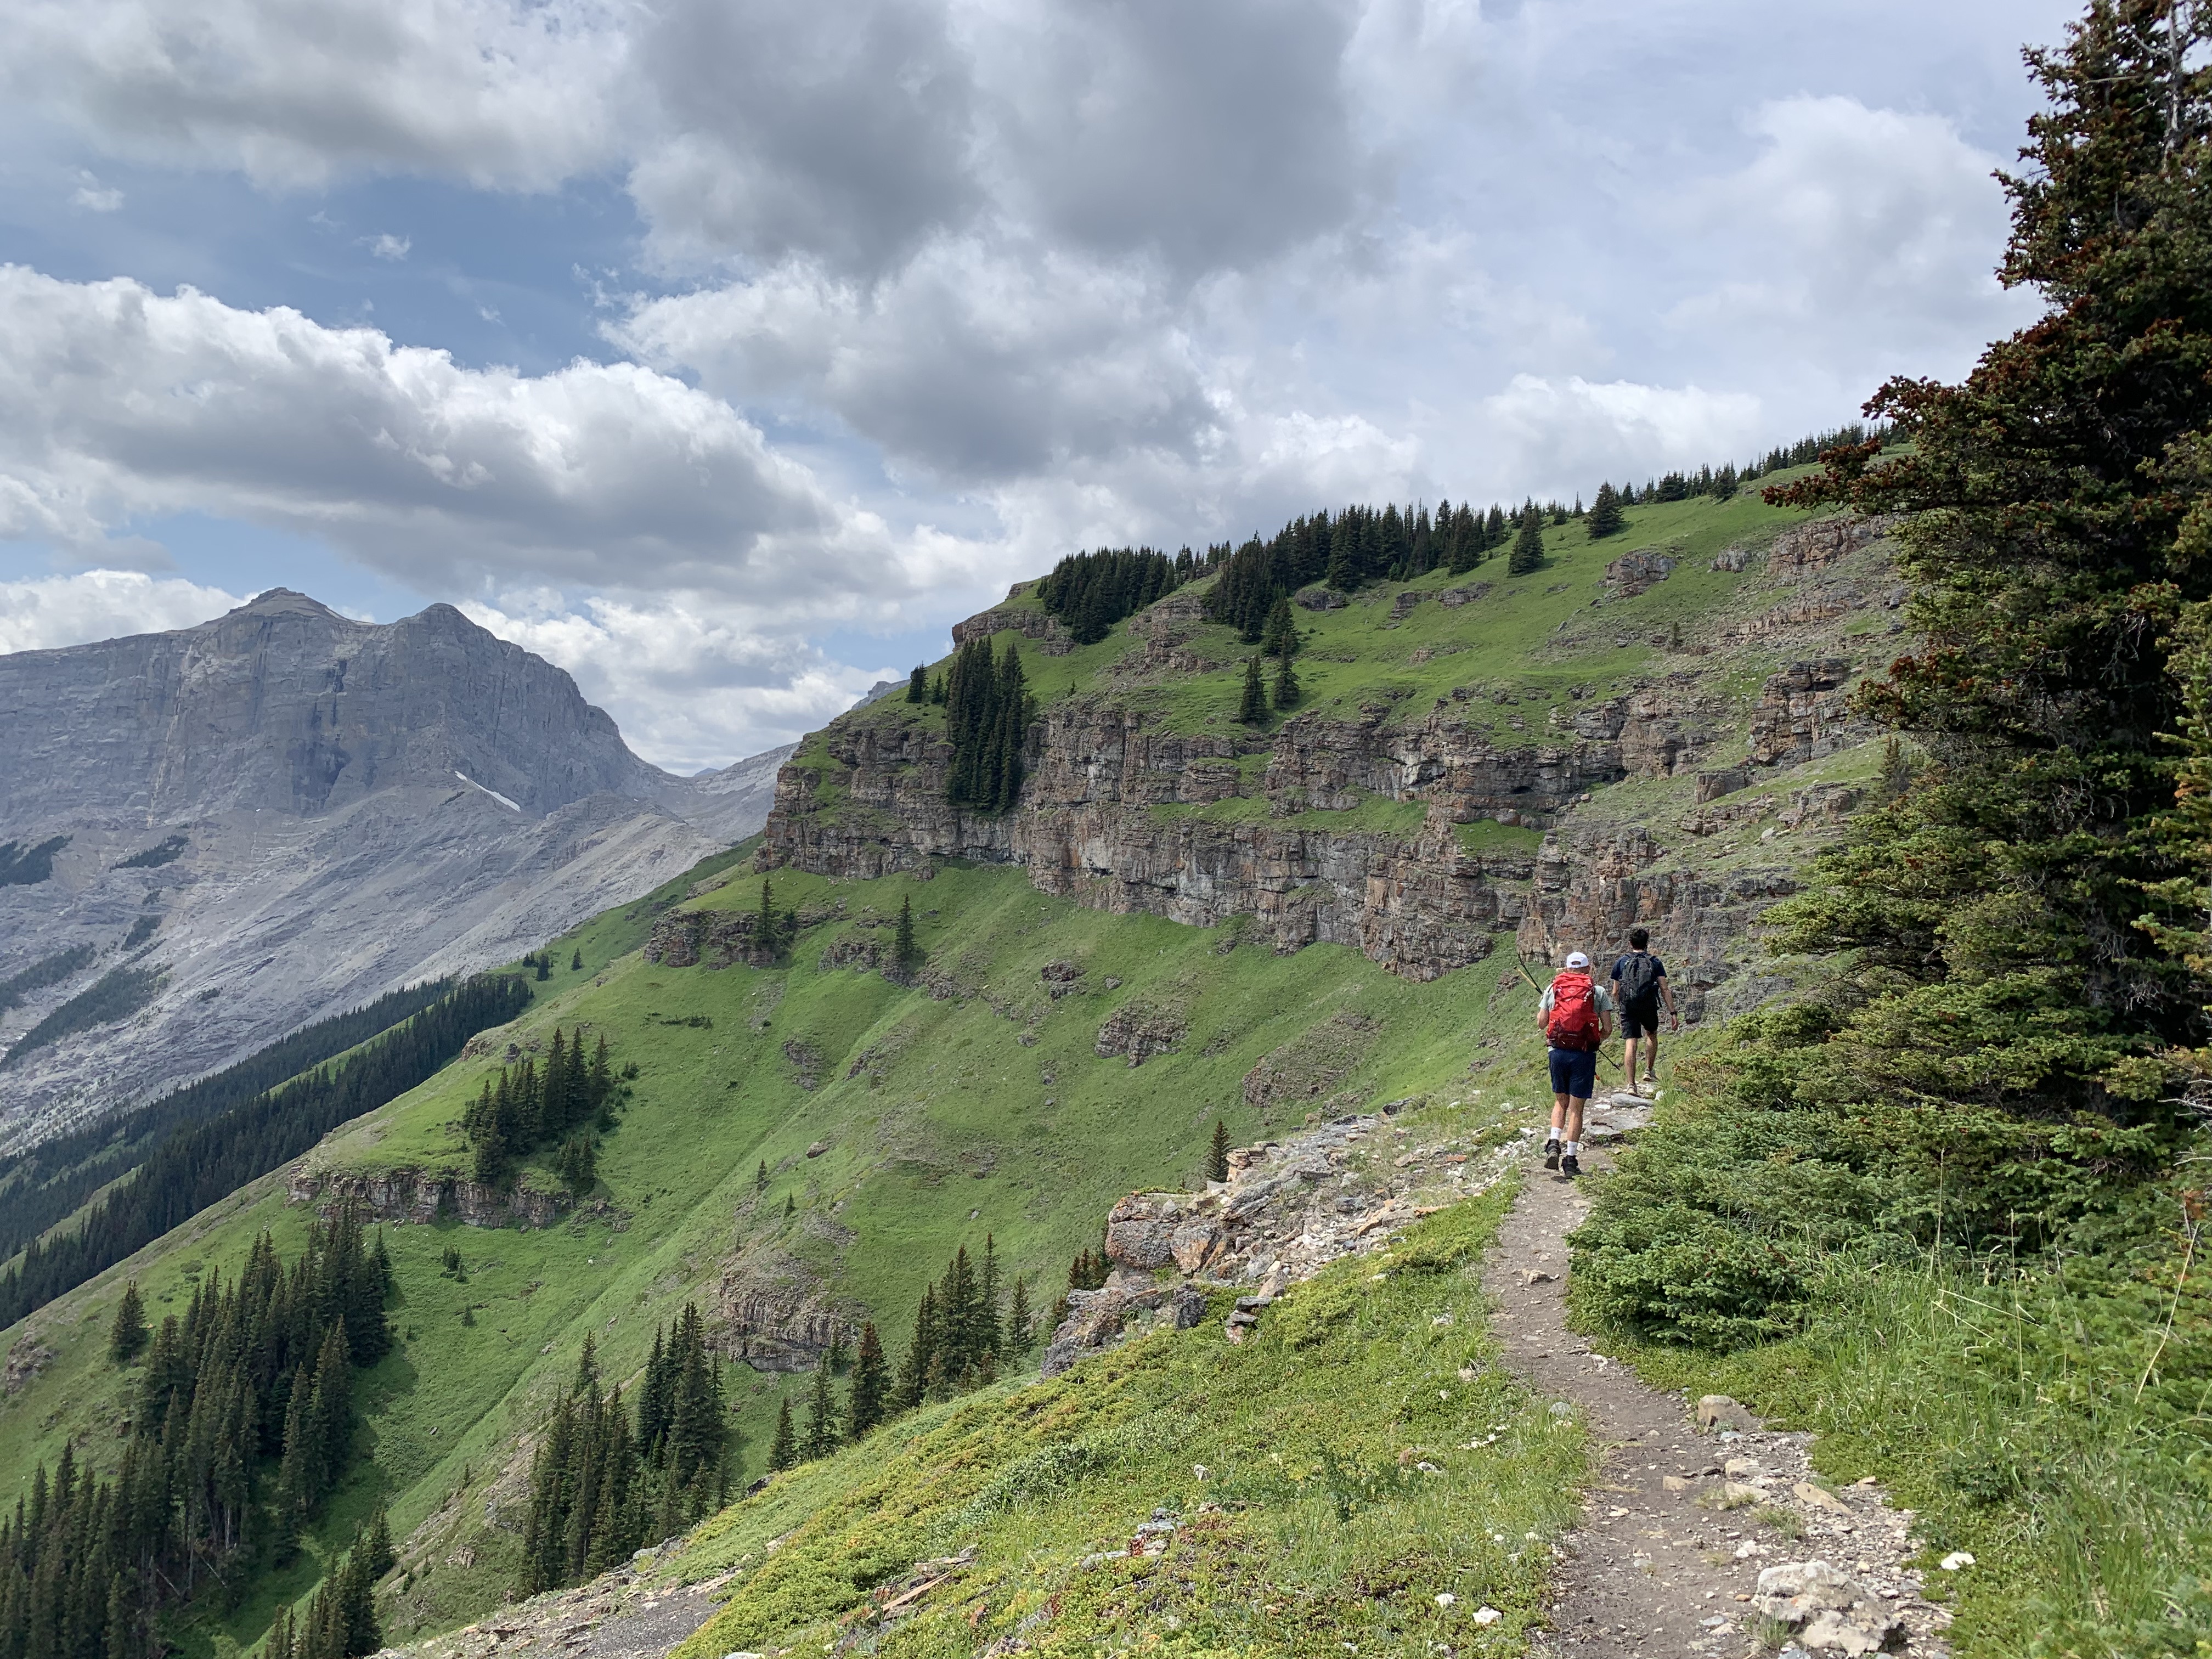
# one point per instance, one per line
(288, 812)
(1288, 1209)
(419, 1197)
(1115, 810)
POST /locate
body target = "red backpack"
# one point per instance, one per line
(1574, 1020)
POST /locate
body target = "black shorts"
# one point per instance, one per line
(1639, 1019)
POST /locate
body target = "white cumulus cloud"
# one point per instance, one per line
(115, 401)
(499, 92)
(693, 682)
(44, 612)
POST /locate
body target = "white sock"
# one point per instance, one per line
(1573, 1148)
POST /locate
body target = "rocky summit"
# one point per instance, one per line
(245, 825)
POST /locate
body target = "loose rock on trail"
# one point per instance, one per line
(1691, 1537)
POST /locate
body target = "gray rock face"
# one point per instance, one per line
(343, 808)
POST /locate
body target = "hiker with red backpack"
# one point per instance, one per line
(1575, 1014)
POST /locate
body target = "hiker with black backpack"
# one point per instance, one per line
(1575, 1013)
(1639, 980)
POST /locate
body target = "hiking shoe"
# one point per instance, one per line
(1570, 1166)
(1552, 1154)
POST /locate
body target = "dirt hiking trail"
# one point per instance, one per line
(1680, 1521)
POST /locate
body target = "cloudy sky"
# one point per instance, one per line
(725, 352)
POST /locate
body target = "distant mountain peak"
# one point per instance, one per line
(284, 601)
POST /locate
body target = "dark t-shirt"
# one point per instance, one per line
(1650, 992)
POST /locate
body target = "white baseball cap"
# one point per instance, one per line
(1576, 959)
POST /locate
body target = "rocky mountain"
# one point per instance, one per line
(211, 835)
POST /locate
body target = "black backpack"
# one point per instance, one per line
(1639, 976)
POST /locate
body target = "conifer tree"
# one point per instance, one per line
(1604, 515)
(783, 1449)
(1252, 706)
(545, 961)
(760, 1177)
(791, 1204)
(576, 960)
(821, 1416)
(1216, 1156)
(127, 1336)
(1528, 555)
(1280, 638)
(1342, 572)
(768, 925)
(868, 1395)
(1287, 688)
(375, 1547)
(1019, 1319)
(906, 953)
(577, 1164)
(915, 1369)
(917, 685)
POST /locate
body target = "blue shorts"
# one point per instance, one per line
(1574, 1072)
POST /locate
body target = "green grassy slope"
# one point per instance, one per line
(976, 1104)
(1546, 635)
(1364, 1473)
(947, 1131)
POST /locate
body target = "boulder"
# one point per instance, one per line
(1140, 1231)
(1094, 1319)
(1634, 573)
(1717, 1411)
(1830, 1611)
(1196, 1245)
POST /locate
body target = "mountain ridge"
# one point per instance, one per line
(283, 810)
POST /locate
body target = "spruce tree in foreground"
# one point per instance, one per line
(1280, 637)
(1528, 555)
(128, 1335)
(1287, 688)
(1216, 1156)
(917, 685)
(1252, 709)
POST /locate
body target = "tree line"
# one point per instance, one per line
(1091, 591)
(988, 711)
(599, 1487)
(529, 1106)
(241, 1422)
(50, 1180)
(202, 1162)
(1358, 546)
(970, 1324)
